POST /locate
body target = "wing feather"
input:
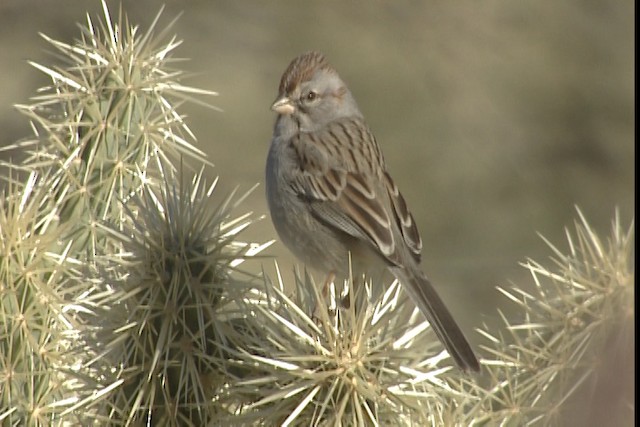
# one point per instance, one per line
(352, 191)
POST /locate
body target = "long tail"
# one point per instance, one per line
(424, 295)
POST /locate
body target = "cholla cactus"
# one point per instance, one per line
(36, 320)
(577, 312)
(335, 358)
(108, 126)
(368, 364)
(169, 325)
(107, 143)
(122, 303)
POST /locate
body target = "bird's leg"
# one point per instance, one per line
(331, 277)
(324, 294)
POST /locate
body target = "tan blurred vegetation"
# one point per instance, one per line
(496, 117)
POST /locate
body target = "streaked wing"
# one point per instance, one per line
(404, 219)
(344, 181)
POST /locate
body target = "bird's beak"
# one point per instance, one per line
(283, 106)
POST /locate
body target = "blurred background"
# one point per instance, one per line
(496, 117)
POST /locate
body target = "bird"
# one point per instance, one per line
(330, 195)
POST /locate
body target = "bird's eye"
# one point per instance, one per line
(310, 96)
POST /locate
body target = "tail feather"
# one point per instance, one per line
(424, 295)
